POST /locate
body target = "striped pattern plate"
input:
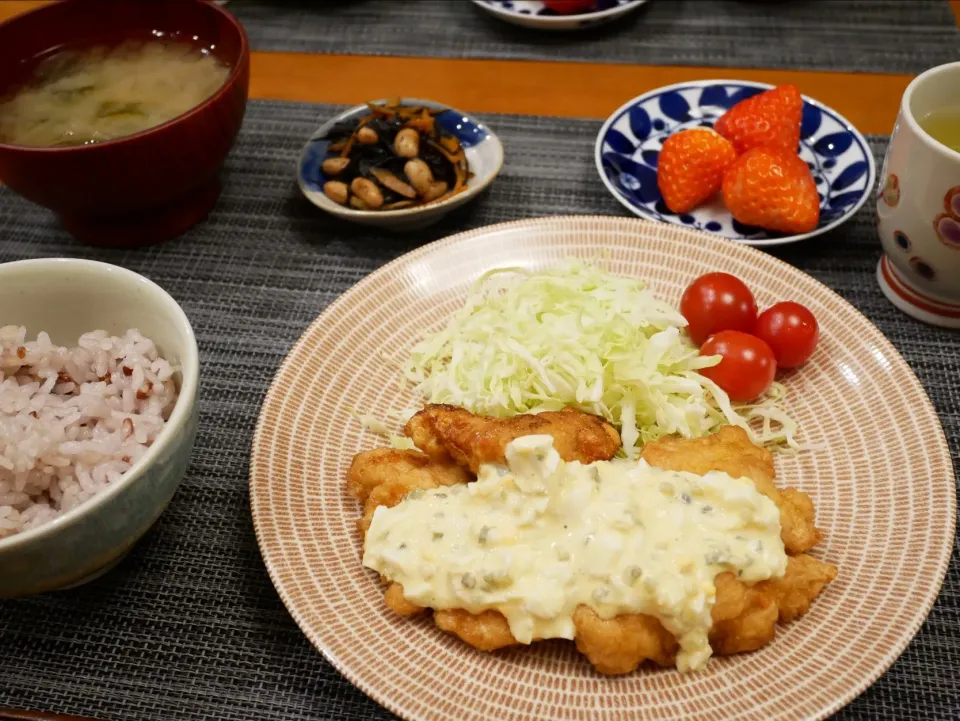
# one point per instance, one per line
(883, 488)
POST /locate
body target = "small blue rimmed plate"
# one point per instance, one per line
(481, 146)
(534, 14)
(629, 143)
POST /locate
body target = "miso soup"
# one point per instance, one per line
(105, 92)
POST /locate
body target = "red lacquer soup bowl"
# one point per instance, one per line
(146, 187)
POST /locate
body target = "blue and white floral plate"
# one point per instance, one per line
(534, 14)
(629, 143)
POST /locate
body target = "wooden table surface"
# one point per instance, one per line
(581, 90)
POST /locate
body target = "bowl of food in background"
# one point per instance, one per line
(398, 164)
(118, 116)
(758, 164)
(98, 380)
(559, 14)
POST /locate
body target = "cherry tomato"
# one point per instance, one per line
(747, 366)
(791, 331)
(716, 302)
(569, 7)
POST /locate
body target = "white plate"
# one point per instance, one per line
(534, 14)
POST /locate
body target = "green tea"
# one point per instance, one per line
(944, 126)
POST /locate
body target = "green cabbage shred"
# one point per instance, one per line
(578, 336)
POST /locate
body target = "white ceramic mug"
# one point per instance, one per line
(918, 206)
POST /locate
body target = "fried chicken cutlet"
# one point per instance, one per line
(448, 433)
(383, 476)
(453, 442)
(744, 617)
(730, 450)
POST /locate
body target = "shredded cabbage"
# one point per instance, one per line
(578, 336)
(380, 428)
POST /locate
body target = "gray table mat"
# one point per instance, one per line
(880, 36)
(188, 626)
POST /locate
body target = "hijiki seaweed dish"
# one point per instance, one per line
(395, 157)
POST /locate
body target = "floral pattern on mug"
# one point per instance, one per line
(902, 241)
(891, 191)
(951, 201)
(922, 268)
(947, 224)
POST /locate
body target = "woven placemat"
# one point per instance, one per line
(188, 625)
(880, 36)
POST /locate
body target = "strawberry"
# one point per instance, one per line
(569, 7)
(768, 120)
(690, 168)
(773, 189)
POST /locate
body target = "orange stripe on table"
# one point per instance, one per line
(574, 90)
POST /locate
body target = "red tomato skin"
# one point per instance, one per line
(747, 367)
(568, 7)
(715, 302)
(791, 331)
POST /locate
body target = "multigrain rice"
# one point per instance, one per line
(74, 420)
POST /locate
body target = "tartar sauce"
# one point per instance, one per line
(536, 538)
